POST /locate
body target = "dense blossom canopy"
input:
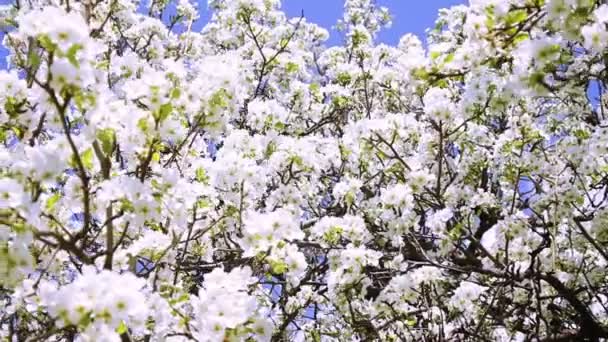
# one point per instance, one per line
(249, 183)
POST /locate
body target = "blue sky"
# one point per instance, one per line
(409, 16)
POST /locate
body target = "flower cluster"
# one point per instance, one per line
(224, 308)
(91, 303)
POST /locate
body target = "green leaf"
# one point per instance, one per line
(581, 134)
(83, 99)
(71, 54)
(106, 137)
(343, 79)
(87, 158)
(164, 111)
(333, 234)
(449, 58)
(11, 107)
(201, 175)
(203, 203)
(175, 93)
(33, 60)
(278, 267)
(143, 125)
(421, 74)
(219, 99)
(103, 65)
(50, 203)
(520, 37)
(283, 43)
(270, 149)
(279, 126)
(47, 43)
(291, 67)
(316, 336)
(515, 17)
(549, 51)
(182, 298)
(340, 101)
(122, 328)
(231, 211)
(156, 157)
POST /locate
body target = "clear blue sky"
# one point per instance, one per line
(409, 16)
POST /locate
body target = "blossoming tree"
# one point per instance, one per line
(246, 182)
